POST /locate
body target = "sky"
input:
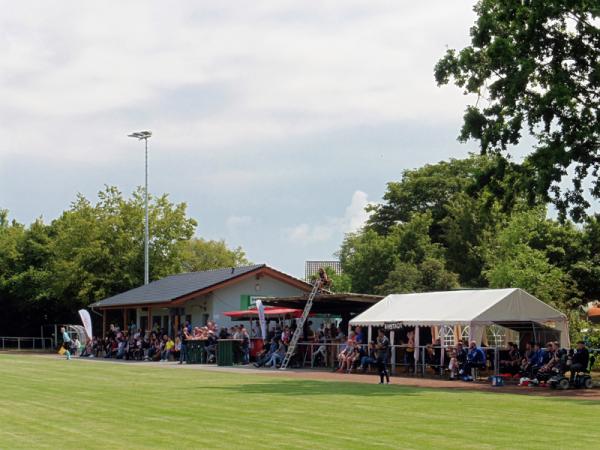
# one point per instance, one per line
(276, 121)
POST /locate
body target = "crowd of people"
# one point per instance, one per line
(328, 346)
(537, 363)
(156, 344)
(134, 344)
(279, 337)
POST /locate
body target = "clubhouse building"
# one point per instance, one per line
(197, 297)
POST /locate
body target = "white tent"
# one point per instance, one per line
(476, 308)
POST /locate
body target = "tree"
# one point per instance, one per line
(430, 275)
(585, 269)
(367, 258)
(97, 248)
(405, 277)
(92, 251)
(200, 254)
(468, 224)
(23, 271)
(340, 282)
(435, 276)
(535, 68)
(380, 263)
(426, 189)
(511, 261)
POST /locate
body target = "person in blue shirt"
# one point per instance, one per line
(358, 335)
(475, 359)
(534, 362)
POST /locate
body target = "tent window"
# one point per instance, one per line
(496, 336)
(464, 335)
(447, 334)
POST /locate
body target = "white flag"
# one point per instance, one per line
(87, 322)
(261, 318)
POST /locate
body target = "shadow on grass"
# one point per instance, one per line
(309, 387)
(292, 387)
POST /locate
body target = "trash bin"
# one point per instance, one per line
(195, 352)
(225, 352)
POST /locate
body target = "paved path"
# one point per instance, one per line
(313, 374)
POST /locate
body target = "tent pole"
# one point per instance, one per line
(496, 360)
(441, 334)
(416, 349)
(393, 359)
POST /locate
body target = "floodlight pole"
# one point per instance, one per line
(145, 135)
(146, 228)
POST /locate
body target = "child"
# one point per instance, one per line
(66, 342)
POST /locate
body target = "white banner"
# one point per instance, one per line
(261, 318)
(87, 322)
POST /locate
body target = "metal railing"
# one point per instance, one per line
(399, 357)
(26, 343)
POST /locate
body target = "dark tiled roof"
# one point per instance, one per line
(174, 286)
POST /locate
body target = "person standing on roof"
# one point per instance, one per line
(324, 279)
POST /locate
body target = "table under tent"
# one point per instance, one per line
(487, 316)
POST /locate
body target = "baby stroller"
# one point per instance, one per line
(582, 379)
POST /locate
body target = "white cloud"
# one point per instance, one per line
(355, 215)
(240, 97)
(353, 219)
(292, 68)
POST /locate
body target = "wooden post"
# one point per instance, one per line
(124, 319)
(149, 327)
(103, 323)
(176, 322)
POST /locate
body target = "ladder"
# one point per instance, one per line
(300, 326)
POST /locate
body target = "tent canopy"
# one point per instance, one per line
(485, 306)
(477, 308)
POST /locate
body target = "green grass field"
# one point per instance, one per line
(53, 403)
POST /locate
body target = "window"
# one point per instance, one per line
(447, 336)
(496, 336)
(465, 333)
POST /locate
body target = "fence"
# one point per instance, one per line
(26, 343)
(399, 357)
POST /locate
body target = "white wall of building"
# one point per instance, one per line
(229, 298)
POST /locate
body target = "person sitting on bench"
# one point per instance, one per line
(458, 358)
(367, 356)
(580, 361)
(475, 360)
